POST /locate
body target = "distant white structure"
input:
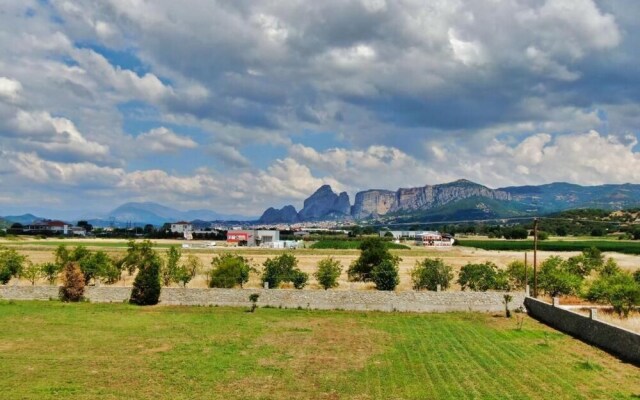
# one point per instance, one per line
(181, 227)
(423, 238)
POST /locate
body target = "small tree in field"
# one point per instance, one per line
(373, 252)
(11, 264)
(430, 273)
(328, 273)
(187, 270)
(72, 283)
(32, 272)
(557, 278)
(170, 267)
(283, 268)
(50, 272)
(478, 277)
(146, 286)
(385, 275)
(229, 270)
(517, 275)
(619, 290)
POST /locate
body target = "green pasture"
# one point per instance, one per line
(51, 350)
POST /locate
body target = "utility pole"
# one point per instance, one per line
(526, 275)
(535, 258)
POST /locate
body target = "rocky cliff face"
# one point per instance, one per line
(374, 203)
(325, 204)
(286, 214)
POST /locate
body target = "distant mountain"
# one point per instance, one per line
(460, 200)
(157, 214)
(286, 214)
(22, 219)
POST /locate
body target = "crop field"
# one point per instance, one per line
(51, 350)
(620, 246)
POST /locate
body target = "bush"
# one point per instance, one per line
(94, 266)
(620, 290)
(517, 275)
(636, 276)
(72, 283)
(373, 253)
(229, 270)
(430, 273)
(146, 286)
(481, 277)
(11, 264)
(32, 272)
(50, 272)
(170, 267)
(328, 272)
(543, 235)
(557, 278)
(187, 270)
(385, 275)
(283, 268)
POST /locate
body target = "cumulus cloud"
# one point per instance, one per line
(163, 140)
(9, 89)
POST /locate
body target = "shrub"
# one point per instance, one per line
(543, 235)
(283, 268)
(253, 298)
(32, 272)
(517, 275)
(430, 273)
(11, 264)
(50, 272)
(385, 275)
(146, 286)
(557, 278)
(480, 277)
(229, 270)
(328, 272)
(373, 253)
(620, 290)
(170, 267)
(72, 288)
(93, 266)
(187, 270)
(636, 276)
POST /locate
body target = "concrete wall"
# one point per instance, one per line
(291, 298)
(619, 341)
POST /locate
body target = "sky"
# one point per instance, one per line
(235, 106)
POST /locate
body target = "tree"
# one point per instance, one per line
(597, 232)
(87, 226)
(11, 264)
(620, 290)
(636, 276)
(72, 283)
(136, 254)
(50, 272)
(556, 278)
(480, 277)
(229, 270)
(582, 265)
(516, 274)
(187, 270)
(385, 275)
(62, 256)
(373, 252)
(146, 285)
(170, 267)
(328, 273)
(32, 272)
(283, 268)
(94, 265)
(430, 273)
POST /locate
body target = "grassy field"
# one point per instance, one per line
(625, 247)
(50, 350)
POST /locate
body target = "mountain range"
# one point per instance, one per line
(458, 200)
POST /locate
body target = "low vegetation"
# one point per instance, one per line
(431, 272)
(227, 353)
(352, 244)
(283, 269)
(329, 270)
(619, 246)
(229, 270)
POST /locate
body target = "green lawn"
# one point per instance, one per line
(620, 246)
(50, 350)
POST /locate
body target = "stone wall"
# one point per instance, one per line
(616, 340)
(357, 300)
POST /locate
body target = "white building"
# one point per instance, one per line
(181, 227)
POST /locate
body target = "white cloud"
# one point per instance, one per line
(10, 89)
(163, 140)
